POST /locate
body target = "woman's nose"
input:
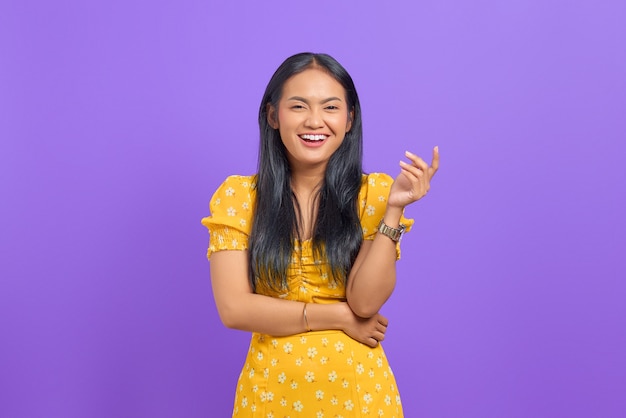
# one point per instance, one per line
(314, 119)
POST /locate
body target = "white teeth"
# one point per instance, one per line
(313, 137)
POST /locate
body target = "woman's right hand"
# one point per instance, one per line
(369, 331)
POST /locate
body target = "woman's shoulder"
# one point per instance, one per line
(231, 208)
(373, 197)
(377, 184)
(237, 180)
(234, 196)
(383, 180)
(236, 187)
(232, 205)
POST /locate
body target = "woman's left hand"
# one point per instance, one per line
(413, 182)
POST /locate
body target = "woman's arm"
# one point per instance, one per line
(373, 275)
(240, 308)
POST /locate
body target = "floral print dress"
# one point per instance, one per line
(320, 374)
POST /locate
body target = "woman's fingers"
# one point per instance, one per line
(435, 163)
(415, 171)
(418, 182)
(374, 340)
(381, 328)
(420, 164)
(372, 330)
(417, 161)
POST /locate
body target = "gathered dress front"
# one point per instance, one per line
(319, 374)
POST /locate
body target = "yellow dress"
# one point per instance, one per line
(319, 374)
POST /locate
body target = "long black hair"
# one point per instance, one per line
(337, 234)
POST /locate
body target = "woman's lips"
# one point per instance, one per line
(313, 140)
(313, 137)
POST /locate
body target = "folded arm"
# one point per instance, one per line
(240, 308)
(373, 275)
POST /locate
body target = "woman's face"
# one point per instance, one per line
(312, 118)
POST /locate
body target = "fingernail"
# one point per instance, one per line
(408, 153)
(437, 148)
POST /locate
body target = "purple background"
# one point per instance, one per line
(118, 119)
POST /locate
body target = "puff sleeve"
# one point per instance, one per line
(373, 203)
(232, 209)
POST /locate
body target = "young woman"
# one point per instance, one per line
(303, 253)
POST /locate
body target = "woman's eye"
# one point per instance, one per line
(331, 107)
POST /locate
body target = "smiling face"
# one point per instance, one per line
(312, 117)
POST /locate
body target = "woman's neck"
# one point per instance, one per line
(306, 182)
(305, 185)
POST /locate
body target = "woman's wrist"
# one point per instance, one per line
(327, 316)
(392, 216)
(344, 315)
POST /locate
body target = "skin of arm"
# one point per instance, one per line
(373, 276)
(240, 308)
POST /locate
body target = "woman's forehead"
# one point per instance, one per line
(313, 83)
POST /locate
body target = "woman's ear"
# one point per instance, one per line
(350, 118)
(272, 116)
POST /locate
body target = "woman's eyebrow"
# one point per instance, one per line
(302, 99)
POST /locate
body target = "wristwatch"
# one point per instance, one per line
(394, 233)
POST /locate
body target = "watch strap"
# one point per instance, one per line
(395, 234)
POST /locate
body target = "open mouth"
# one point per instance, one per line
(313, 138)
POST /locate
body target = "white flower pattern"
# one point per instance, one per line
(297, 405)
(332, 376)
